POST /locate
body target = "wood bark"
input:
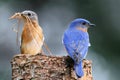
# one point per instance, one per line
(43, 67)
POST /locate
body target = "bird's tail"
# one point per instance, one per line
(79, 70)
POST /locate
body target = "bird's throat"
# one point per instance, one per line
(82, 29)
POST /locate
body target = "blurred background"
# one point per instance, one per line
(54, 17)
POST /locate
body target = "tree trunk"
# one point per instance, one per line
(42, 67)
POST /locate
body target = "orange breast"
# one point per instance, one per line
(32, 39)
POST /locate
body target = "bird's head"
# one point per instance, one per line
(30, 14)
(81, 24)
(25, 15)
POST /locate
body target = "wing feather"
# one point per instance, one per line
(76, 44)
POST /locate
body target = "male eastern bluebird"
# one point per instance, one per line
(32, 37)
(76, 42)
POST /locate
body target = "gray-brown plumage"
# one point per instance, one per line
(32, 37)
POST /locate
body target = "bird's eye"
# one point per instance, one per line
(84, 23)
(29, 14)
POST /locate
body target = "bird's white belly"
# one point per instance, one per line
(32, 47)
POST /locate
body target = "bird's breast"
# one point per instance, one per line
(32, 39)
(31, 32)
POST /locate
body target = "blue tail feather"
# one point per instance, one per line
(78, 69)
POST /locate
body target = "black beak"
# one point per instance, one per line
(91, 25)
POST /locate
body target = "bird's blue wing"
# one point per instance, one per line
(76, 44)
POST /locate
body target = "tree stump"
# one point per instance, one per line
(43, 67)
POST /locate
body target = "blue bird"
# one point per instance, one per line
(76, 42)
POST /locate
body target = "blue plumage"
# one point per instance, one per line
(76, 42)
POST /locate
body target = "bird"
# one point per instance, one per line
(76, 42)
(32, 37)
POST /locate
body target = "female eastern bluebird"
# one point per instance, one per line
(32, 37)
(76, 42)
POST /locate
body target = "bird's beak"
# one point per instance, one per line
(16, 16)
(91, 25)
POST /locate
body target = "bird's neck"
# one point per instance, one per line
(82, 29)
(35, 23)
(32, 23)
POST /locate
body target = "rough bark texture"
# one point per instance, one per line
(42, 67)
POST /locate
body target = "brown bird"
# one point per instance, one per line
(32, 37)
